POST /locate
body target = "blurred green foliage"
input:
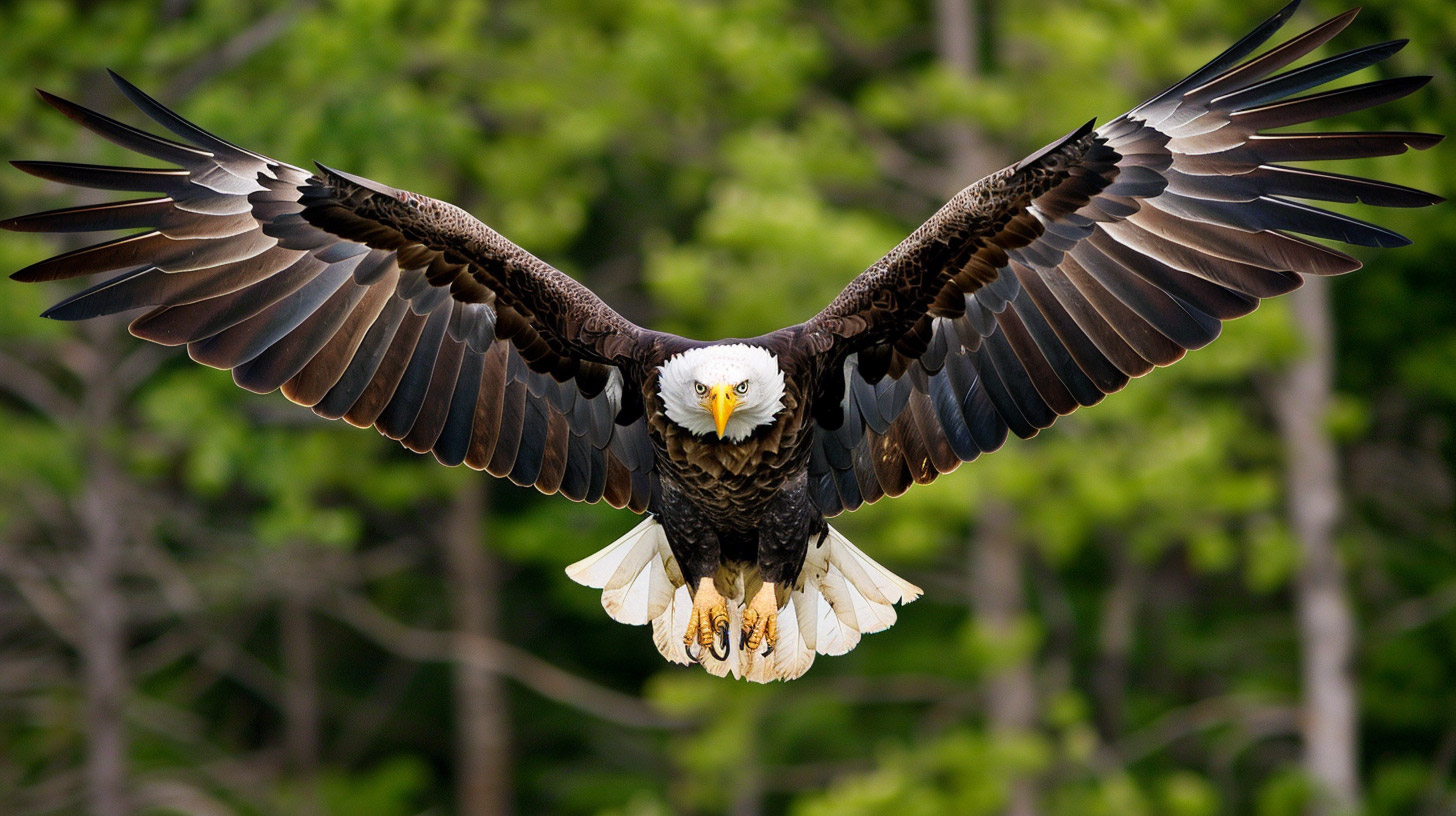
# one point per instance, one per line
(721, 169)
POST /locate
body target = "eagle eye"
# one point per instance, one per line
(741, 388)
(702, 389)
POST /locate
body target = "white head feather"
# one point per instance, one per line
(752, 370)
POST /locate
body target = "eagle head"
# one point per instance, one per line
(728, 390)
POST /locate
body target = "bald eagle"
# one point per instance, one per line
(1038, 289)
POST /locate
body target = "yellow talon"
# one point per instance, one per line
(761, 620)
(708, 622)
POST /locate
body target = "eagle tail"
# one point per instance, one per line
(636, 573)
(841, 595)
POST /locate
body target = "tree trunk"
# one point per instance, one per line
(482, 722)
(103, 612)
(1114, 647)
(964, 44)
(999, 598)
(102, 605)
(300, 677)
(1326, 623)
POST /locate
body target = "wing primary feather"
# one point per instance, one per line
(408, 396)
(150, 286)
(285, 358)
(488, 408)
(125, 135)
(1228, 59)
(1268, 213)
(1187, 328)
(1283, 147)
(390, 367)
(179, 126)
(1273, 59)
(1022, 385)
(555, 441)
(1000, 397)
(1270, 250)
(118, 215)
(454, 442)
(1147, 343)
(132, 250)
(1209, 298)
(310, 385)
(513, 417)
(435, 404)
(1105, 376)
(1297, 182)
(1250, 279)
(188, 322)
(247, 339)
(1327, 104)
(952, 421)
(1060, 361)
(365, 361)
(102, 177)
(1309, 76)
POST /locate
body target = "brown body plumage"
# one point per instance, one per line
(1036, 290)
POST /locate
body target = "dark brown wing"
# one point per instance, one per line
(382, 307)
(1048, 285)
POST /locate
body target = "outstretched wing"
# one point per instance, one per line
(380, 306)
(1049, 284)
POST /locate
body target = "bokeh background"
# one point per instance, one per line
(1230, 589)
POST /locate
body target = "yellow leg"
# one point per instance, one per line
(709, 620)
(761, 620)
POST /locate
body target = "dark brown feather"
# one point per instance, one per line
(1105, 254)
(435, 405)
(487, 425)
(365, 361)
(189, 322)
(322, 372)
(295, 280)
(386, 375)
(284, 359)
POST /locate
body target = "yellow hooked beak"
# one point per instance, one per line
(721, 401)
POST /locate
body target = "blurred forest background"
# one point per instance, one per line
(1230, 589)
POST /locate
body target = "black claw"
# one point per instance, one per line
(768, 650)
(722, 634)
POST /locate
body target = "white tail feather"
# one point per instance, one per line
(668, 628)
(842, 594)
(633, 574)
